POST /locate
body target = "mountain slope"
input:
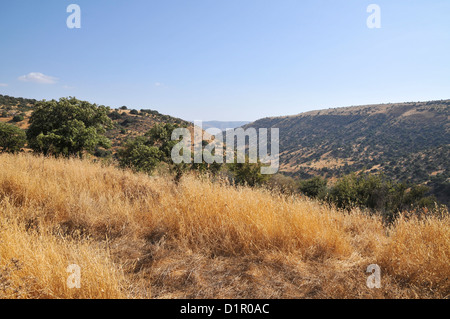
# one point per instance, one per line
(408, 141)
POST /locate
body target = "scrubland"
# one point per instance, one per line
(140, 236)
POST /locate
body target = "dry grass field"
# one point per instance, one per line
(136, 236)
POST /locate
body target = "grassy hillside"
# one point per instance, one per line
(136, 236)
(409, 142)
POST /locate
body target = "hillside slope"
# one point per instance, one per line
(127, 123)
(135, 236)
(408, 142)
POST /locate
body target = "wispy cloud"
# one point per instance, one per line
(3, 85)
(37, 77)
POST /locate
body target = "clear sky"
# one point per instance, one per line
(226, 59)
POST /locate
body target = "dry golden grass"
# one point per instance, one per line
(136, 236)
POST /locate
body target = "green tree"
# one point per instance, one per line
(160, 136)
(315, 187)
(344, 193)
(143, 153)
(248, 173)
(139, 156)
(18, 118)
(68, 127)
(12, 138)
(373, 192)
(115, 115)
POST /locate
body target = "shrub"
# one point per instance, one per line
(315, 187)
(248, 174)
(100, 152)
(12, 138)
(18, 118)
(115, 115)
(379, 194)
(145, 152)
(139, 156)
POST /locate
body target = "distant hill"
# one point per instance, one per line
(9, 102)
(223, 125)
(407, 141)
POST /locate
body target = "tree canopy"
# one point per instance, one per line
(12, 138)
(143, 153)
(68, 127)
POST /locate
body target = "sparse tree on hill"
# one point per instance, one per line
(18, 118)
(68, 127)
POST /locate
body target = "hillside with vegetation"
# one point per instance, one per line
(139, 225)
(141, 140)
(126, 123)
(407, 142)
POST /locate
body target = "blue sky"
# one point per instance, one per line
(226, 60)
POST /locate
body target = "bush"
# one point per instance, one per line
(12, 138)
(18, 118)
(139, 156)
(315, 187)
(248, 174)
(144, 153)
(282, 183)
(99, 152)
(150, 112)
(379, 194)
(115, 115)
